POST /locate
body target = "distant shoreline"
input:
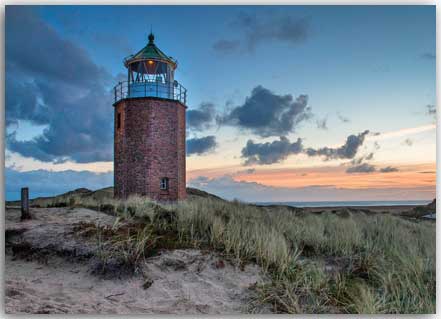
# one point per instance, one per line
(349, 204)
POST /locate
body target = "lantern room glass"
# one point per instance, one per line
(151, 78)
(150, 73)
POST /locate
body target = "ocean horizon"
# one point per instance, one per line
(348, 203)
(11, 196)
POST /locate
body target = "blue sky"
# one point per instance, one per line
(373, 66)
(350, 51)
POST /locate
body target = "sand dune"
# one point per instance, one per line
(48, 270)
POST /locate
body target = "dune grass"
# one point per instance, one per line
(317, 263)
(382, 263)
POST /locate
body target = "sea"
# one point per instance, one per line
(349, 203)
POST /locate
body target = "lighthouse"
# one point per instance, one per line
(149, 135)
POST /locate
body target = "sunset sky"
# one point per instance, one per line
(285, 103)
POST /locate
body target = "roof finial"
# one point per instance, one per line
(151, 36)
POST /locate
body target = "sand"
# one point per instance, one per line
(48, 270)
(65, 287)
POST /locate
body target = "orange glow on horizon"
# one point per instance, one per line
(408, 176)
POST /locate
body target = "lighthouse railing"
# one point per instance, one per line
(150, 88)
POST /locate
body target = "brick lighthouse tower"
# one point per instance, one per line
(149, 140)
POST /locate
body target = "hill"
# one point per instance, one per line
(421, 211)
(347, 261)
(84, 194)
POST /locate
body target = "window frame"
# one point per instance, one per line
(164, 184)
(118, 120)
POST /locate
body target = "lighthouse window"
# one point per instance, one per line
(164, 183)
(118, 121)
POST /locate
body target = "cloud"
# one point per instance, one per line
(51, 81)
(408, 142)
(389, 169)
(22, 103)
(402, 132)
(269, 153)
(369, 156)
(358, 165)
(342, 118)
(254, 30)
(228, 188)
(362, 168)
(201, 145)
(376, 145)
(201, 118)
(267, 114)
(247, 171)
(48, 183)
(428, 56)
(368, 168)
(55, 58)
(277, 151)
(226, 46)
(322, 124)
(346, 151)
(431, 110)
(361, 159)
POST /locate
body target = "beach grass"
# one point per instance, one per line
(352, 263)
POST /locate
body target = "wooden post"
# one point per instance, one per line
(25, 214)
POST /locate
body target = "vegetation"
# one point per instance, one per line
(376, 264)
(328, 263)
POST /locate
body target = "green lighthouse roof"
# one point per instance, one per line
(150, 51)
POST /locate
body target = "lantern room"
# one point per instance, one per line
(150, 73)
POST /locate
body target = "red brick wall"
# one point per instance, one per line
(150, 145)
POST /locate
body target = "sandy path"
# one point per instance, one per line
(184, 281)
(181, 281)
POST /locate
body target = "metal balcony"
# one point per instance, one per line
(150, 88)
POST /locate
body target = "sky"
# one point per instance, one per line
(285, 103)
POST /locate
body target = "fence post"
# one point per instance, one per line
(25, 204)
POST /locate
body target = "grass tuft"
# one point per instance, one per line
(327, 263)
